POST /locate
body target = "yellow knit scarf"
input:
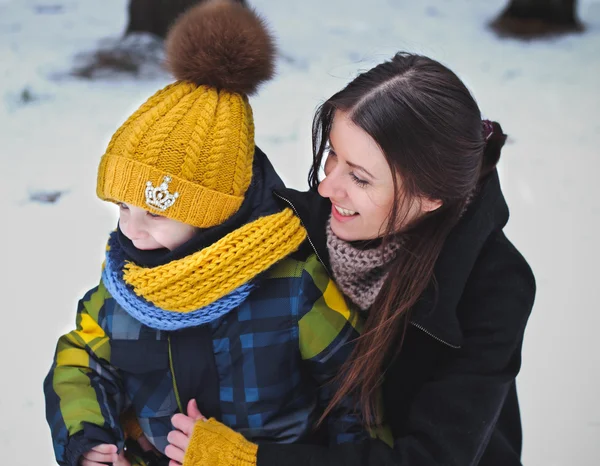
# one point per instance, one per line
(201, 278)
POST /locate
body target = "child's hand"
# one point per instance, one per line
(102, 454)
(145, 444)
(179, 439)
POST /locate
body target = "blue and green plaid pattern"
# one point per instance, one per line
(274, 355)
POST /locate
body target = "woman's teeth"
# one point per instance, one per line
(344, 212)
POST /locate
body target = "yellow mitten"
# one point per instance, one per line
(214, 444)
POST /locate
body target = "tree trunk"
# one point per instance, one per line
(555, 11)
(156, 16)
(537, 18)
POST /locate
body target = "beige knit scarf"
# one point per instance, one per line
(360, 272)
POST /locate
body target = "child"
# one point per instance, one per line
(200, 298)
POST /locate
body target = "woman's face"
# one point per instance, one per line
(358, 182)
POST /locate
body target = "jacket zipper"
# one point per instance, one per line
(307, 235)
(423, 329)
(173, 377)
(414, 324)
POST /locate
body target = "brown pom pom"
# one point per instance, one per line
(221, 44)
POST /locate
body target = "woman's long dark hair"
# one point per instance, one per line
(429, 128)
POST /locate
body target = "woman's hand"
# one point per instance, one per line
(179, 439)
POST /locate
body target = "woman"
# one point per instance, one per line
(409, 221)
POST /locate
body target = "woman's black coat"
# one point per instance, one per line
(450, 395)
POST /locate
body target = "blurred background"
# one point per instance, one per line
(71, 71)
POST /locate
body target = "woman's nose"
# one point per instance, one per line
(331, 186)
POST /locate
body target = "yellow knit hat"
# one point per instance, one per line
(187, 152)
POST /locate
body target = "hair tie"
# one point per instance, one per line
(488, 129)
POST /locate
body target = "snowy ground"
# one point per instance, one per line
(53, 129)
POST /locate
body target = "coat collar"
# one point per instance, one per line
(436, 312)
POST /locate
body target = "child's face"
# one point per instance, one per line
(149, 231)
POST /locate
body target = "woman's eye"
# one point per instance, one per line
(329, 162)
(358, 181)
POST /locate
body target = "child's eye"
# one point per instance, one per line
(358, 181)
(154, 215)
(123, 206)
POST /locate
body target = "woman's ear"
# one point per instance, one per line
(429, 205)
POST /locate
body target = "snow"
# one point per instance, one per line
(54, 128)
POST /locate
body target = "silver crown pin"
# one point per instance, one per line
(160, 197)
